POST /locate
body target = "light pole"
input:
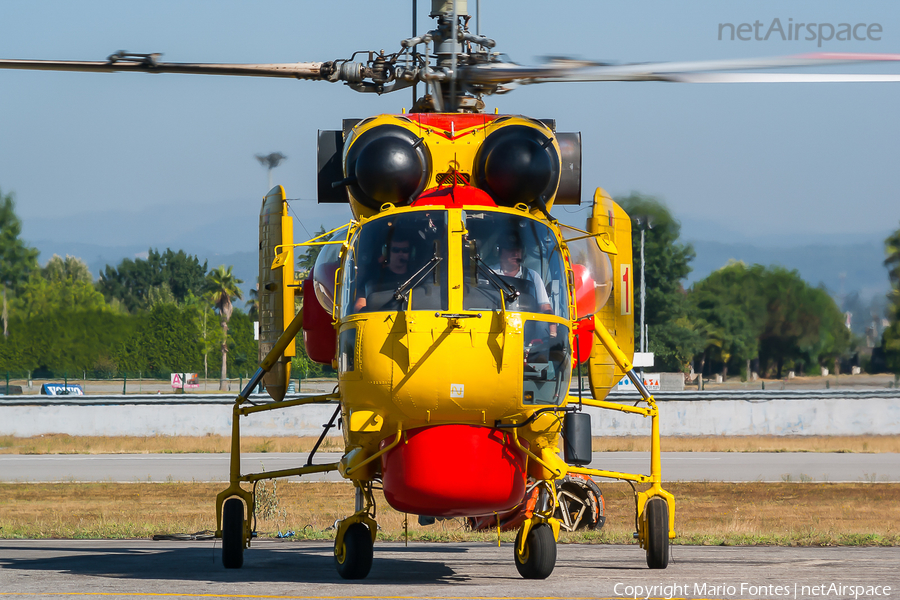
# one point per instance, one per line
(644, 222)
(270, 161)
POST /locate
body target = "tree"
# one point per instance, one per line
(666, 265)
(803, 325)
(243, 353)
(62, 285)
(223, 287)
(307, 260)
(17, 259)
(729, 303)
(890, 341)
(209, 337)
(132, 280)
(252, 304)
(70, 267)
(769, 313)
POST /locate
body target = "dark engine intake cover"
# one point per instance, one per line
(388, 164)
(517, 164)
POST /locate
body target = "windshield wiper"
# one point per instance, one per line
(511, 292)
(412, 282)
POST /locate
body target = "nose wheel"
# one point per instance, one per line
(353, 559)
(536, 557)
(233, 533)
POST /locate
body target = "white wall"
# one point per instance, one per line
(839, 413)
(875, 416)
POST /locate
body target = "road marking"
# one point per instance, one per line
(189, 595)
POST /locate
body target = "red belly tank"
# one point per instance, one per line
(454, 471)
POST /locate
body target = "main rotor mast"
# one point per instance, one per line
(454, 46)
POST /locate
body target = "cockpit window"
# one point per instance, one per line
(514, 260)
(397, 263)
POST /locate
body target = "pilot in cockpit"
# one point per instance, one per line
(512, 259)
(394, 270)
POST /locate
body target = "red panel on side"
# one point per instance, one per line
(319, 336)
(454, 471)
(584, 340)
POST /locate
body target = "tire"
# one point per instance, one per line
(575, 493)
(233, 533)
(355, 561)
(540, 553)
(657, 533)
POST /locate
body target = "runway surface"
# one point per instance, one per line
(139, 568)
(677, 466)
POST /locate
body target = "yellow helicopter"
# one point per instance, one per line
(453, 305)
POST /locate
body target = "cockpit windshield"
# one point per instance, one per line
(397, 263)
(512, 260)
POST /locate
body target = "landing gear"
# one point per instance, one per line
(355, 538)
(657, 532)
(353, 559)
(536, 559)
(233, 533)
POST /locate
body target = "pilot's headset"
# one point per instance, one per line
(392, 235)
(510, 241)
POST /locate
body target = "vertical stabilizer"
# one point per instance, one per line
(276, 287)
(618, 313)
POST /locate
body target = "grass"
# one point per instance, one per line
(754, 443)
(806, 514)
(68, 444)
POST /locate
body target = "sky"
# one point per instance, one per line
(122, 158)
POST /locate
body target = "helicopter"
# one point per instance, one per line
(449, 362)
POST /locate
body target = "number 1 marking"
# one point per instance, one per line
(626, 289)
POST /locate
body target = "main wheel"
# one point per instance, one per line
(233, 533)
(539, 558)
(354, 560)
(657, 533)
(579, 504)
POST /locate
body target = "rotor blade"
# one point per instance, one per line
(780, 78)
(307, 70)
(500, 73)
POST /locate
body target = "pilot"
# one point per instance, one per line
(394, 271)
(512, 252)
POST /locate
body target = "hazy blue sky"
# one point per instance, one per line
(748, 162)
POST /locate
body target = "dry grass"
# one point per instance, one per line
(67, 444)
(160, 444)
(706, 513)
(754, 443)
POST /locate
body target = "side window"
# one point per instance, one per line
(350, 277)
(592, 270)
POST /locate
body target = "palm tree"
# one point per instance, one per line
(223, 289)
(253, 304)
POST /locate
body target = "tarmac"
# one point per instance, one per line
(677, 466)
(284, 569)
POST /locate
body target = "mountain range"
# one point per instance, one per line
(226, 233)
